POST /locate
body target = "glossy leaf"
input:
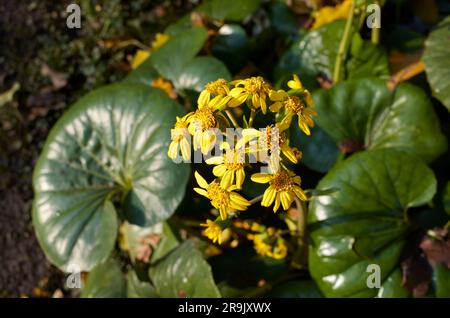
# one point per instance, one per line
(365, 221)
(144, 74)
(441, 280)
(170, 59)
(319, 150)
(437, 61)
(110, 144)
(139, 289)
(184, 273)
(105, 281)
(200, 71)
(315, 54)
(365, 111)
(231, 46)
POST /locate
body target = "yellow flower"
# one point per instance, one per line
(229, 167)
(223, 199)
(203, 125)
(180, 139)
(267, 140)
(217, 88)
(213, 231)
(294, 105)
(159, 40)
(139, 58)
(268, 244)
(329, 14)
(284, 186)
(165, 85)
(254, 89)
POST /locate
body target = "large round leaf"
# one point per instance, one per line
(296, 289)
(365, 221)
(366, 113)
(105, 281)
(437, 61)
(139, 289)
(184, 273)
(315, 54)
(112, 143)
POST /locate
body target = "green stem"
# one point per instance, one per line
(257, 199)
(232, 119)
(252, 117)
(343, 45)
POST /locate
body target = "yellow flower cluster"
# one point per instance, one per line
(206, 127)
(267, 241)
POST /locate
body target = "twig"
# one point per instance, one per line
(232, 119)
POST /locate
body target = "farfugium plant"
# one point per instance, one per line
(237, 127)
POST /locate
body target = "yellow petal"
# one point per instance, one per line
(261, 177)
(201, 192)
(296, 83)
(300, 194)
(200, 180)
(277, 203)
(139, 58)
(277, 96)
(203, 99)
(227, 179)
(240, 177)
(262, 102)
(237, 198)
(214, 160)
(269, 197)
(275, 107)
(219, 170)
(236, 101)
(173, 150)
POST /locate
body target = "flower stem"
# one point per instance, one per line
(232, 119)
(252, 117)
(375, 35)
(343, 45)
(257, 199)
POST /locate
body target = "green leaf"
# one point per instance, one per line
(144, 74)
(437, 62)
(365, 222)
(365, 111)
(296, 289)
(441, 280)
(446, 198)
(319, 150)
(171, 58)
(105, 281)
(184, 273)
(139, 289)
(392, 286)
(111, 144)
(315, 54)
(234, 11)
(199, 72)
(231, 46)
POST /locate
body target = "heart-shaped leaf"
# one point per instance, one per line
(111, 144)
(360, 229)
(437, 61)
(365, 114)
(184, 273)
(144, 74)
(176, 61)
(171, 58)
(231, 46)
(315, 54)
(106, 280)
